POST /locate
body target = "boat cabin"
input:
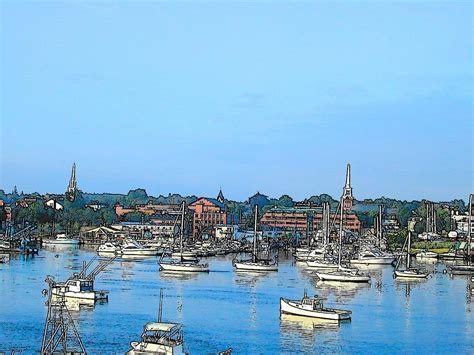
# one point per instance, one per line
(80, 285)
(313, 303)
(168, 334)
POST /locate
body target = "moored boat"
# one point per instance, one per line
(61, 239)
(312, 307)
(108, 248)
(256, 263)
(373, 257)
(133, 248)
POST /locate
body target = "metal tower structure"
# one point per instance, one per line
(60, 334)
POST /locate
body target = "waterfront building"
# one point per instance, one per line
(207, 213)
(98, 235)
(305, 220)
(72, 186)
(461, 222)
(391, 224)
(143, 230)
(168, 225)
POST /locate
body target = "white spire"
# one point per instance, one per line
(348, 176)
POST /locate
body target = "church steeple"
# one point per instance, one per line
(72, 187)
(347, 198)
(221, 197)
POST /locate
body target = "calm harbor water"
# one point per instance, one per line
(225, 308)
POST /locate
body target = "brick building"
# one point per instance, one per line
(304, 219)
(149, 209)
(207, 213)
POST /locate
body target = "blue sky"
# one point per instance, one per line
(271, 96)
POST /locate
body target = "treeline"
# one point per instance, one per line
(75, 214)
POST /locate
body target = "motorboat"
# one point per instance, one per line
(159, 337)
(304, 254)
(182, 265)
(255, 263)
(133, 248)
(374, 257)
(312, 307)
(426, 254)
(108, 248)
(79, 288)
(81, 285)
(61, 239)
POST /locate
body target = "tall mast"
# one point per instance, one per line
(408, 249)
(181, 234)
(469, 232)
(254, 257)
(340, 234)
(160, 309)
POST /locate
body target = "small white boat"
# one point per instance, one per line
(79, 288)
(108, 248)
(312, 307)
(426, 254)
(133, 248)
(303, 254)
(61, 239)
(4, 258)
(412, 273)
(184, 266)
(343, 275)
(373, 257)
(259, 265)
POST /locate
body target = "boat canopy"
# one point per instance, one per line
(160, 327)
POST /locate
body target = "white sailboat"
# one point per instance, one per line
(312, 307)
(182, 265)
(342, 274)
(426, 254)
(410, 272)
(256, 263)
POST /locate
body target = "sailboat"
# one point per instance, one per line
(468, 267)
(256, 263)
(182, 265)
(410, 272)
(342, 274)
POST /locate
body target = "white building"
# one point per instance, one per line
(224, 231)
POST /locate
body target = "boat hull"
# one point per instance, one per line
(373, 261)
(289, 307)
(410, 275)
(184, 267)
(317, 264)
(250, 266)
(152, 252)
(342, 277)
(61, 242)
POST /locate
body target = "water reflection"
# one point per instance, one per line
(343, 291)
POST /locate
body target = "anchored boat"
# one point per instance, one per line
(374, 257)
(312, 307)
(133, 248)
(61, 239)
(182, 265)
(108, 248)
(409, 272)
(256, 263)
